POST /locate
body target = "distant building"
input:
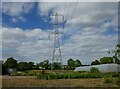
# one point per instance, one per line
(103, 68)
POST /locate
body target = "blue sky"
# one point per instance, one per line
(90, 30)
(34, 20)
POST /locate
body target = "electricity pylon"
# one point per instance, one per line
(57, 58)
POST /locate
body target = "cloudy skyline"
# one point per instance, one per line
(90, 30)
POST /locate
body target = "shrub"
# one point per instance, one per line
(41, 76)
(30, 74)
(118, 82)
(115, 74)
(94, 70)
(108, 80)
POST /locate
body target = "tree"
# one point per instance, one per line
(116, 54)
(96, 62)
(116, 60)
(23, 66)
(56, 66)
(41, 64)
(10, 63)
(77, 63)
(71, 63)
(106, 60)
(37, 66)
(46, 64)
(31, 65)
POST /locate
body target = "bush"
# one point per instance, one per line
(116, 75)
(94, 70)
(108, 80)
(41, 76)
(118, 82)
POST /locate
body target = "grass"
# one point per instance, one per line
(61, 78)
(33, 82)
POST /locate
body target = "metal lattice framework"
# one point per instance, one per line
(57, 58)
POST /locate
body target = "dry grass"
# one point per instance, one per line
(30, 81)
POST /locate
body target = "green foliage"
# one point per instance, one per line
(117, 51)
(45, 64)
(108, 80)
(94, 70)
(116, 54)
(56, 66)
(69, 76)
(106, 60)
(10, 63)
(71, 63)
(31, 65)
(96, 62)
(78, 63)
(37, 66)
(23, 66)
(118, 82)
(116, 60)
(116, 74)
(112, 74)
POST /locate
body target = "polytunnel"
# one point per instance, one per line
(103, 68)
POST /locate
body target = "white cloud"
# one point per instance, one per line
(28, 43)
(31, 45)
(85, 25)
(16, 8)
(16, 19)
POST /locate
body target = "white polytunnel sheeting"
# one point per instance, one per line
(103, 68)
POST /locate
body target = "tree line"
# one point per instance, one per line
(12, 63)
(71, 63)
(114, 59)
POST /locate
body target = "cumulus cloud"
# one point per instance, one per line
(86, 24)
(16, 10)
(31, 45)
(26, 45)
(81, 14)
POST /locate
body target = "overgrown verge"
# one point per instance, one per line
(68, 76)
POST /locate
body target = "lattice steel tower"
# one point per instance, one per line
(57, 58)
